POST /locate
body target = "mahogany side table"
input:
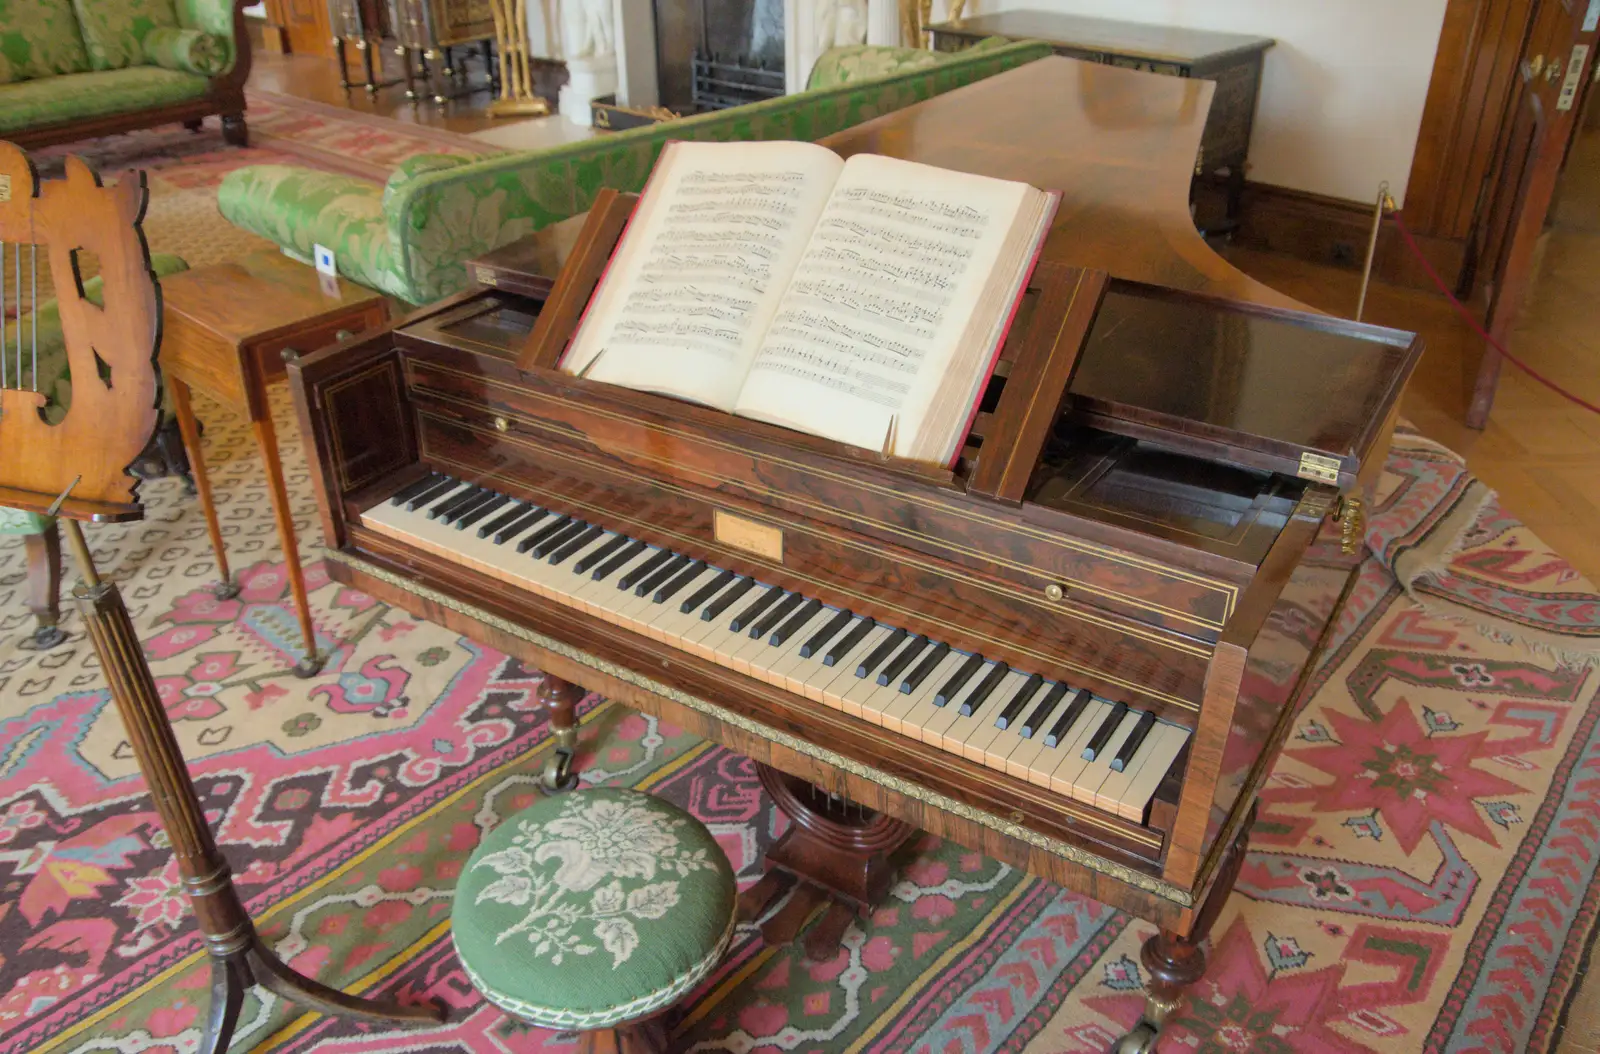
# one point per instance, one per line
(226, 332)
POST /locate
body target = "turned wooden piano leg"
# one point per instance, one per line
(1173, 963)
(560, 698)
(838, 851)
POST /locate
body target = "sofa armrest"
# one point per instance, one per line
(440, 219)
(301, 208)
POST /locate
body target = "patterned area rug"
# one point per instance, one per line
(1422, 878)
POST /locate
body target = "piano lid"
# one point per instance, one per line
(1119, 144)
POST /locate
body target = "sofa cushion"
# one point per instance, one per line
(39, 38)
(76, 96)
(189, 50)
(113, 30)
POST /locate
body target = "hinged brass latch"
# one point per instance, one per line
(1351, 516)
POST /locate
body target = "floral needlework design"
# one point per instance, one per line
(575, 909)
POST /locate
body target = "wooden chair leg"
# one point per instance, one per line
(44, 585)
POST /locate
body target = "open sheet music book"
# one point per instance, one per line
(862, 300)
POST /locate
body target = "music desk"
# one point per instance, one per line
(226, 331)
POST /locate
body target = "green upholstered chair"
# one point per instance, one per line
(595, 912)
(40, 535)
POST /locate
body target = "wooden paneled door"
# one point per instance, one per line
(303, 25)
(1554, 73)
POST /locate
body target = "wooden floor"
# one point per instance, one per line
(1540, 452)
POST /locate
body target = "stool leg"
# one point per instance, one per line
(226, 588)
(267, 440)
(644, 1037)
(44, 585)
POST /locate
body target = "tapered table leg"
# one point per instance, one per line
(267, 440)
(226, 588)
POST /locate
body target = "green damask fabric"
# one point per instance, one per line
(300, 208)
(440, 214)
(593, 909)
(856, 62)
(114, 30)
(15, 521)
(188, 50)
(78, 95)
(209, 16)
(40, 38)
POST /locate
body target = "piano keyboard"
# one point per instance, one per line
(1051, 734)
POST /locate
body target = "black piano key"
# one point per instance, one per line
(659, 577)
(611, 566)
(924, 669)
(574, 545)
(780, 611)
(679, 583)
(739, 588)
(1041, 713)
(422, 500)
(985, 688)
(511, 515)
(411, 490)
(897, 665)
(1069, 717)
(1135, 740)
(796, 623)
(649, 567)
(880, 655)
(761, 603)
(1103, 734)
(845, 644)
(516, 527)
(600, 555)
(560, 538)
(1014, 708)
(703, 595)
(554, 527)
(453, 517)
(832, 629)
(445, 508)
(481, 511)
(962, 675)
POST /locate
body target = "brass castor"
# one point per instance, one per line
(558, 777)
(1141, 1039)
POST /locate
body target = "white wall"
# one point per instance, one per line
(1342, 95)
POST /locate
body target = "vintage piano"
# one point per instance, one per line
(1079, 650)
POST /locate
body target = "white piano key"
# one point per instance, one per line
(976, 744)
(1087, 783)
(1143, 787)
(1072, 761)
(1115, 786)
(907, 713)
(831, 691)
(792, 670)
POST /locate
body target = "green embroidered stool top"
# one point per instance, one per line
(593, 909)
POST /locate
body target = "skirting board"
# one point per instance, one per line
(1329, 230)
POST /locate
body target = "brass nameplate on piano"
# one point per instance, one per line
(483, 276)
(736, 532)
(5, 188)
(1318, 468)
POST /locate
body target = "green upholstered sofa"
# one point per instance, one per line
(411, 237)
(72, 69)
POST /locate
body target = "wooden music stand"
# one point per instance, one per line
(76, 469)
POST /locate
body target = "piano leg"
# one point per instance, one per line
(561, 699)
(1173, 962)
(839, 852)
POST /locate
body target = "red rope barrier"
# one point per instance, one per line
(1461, 309)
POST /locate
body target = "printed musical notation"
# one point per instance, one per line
(873, 292)
(709, 260)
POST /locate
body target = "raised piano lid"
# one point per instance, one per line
(1301, 394)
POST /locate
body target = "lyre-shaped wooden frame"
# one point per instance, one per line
(111, 351)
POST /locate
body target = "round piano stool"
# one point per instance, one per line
(595, 912)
